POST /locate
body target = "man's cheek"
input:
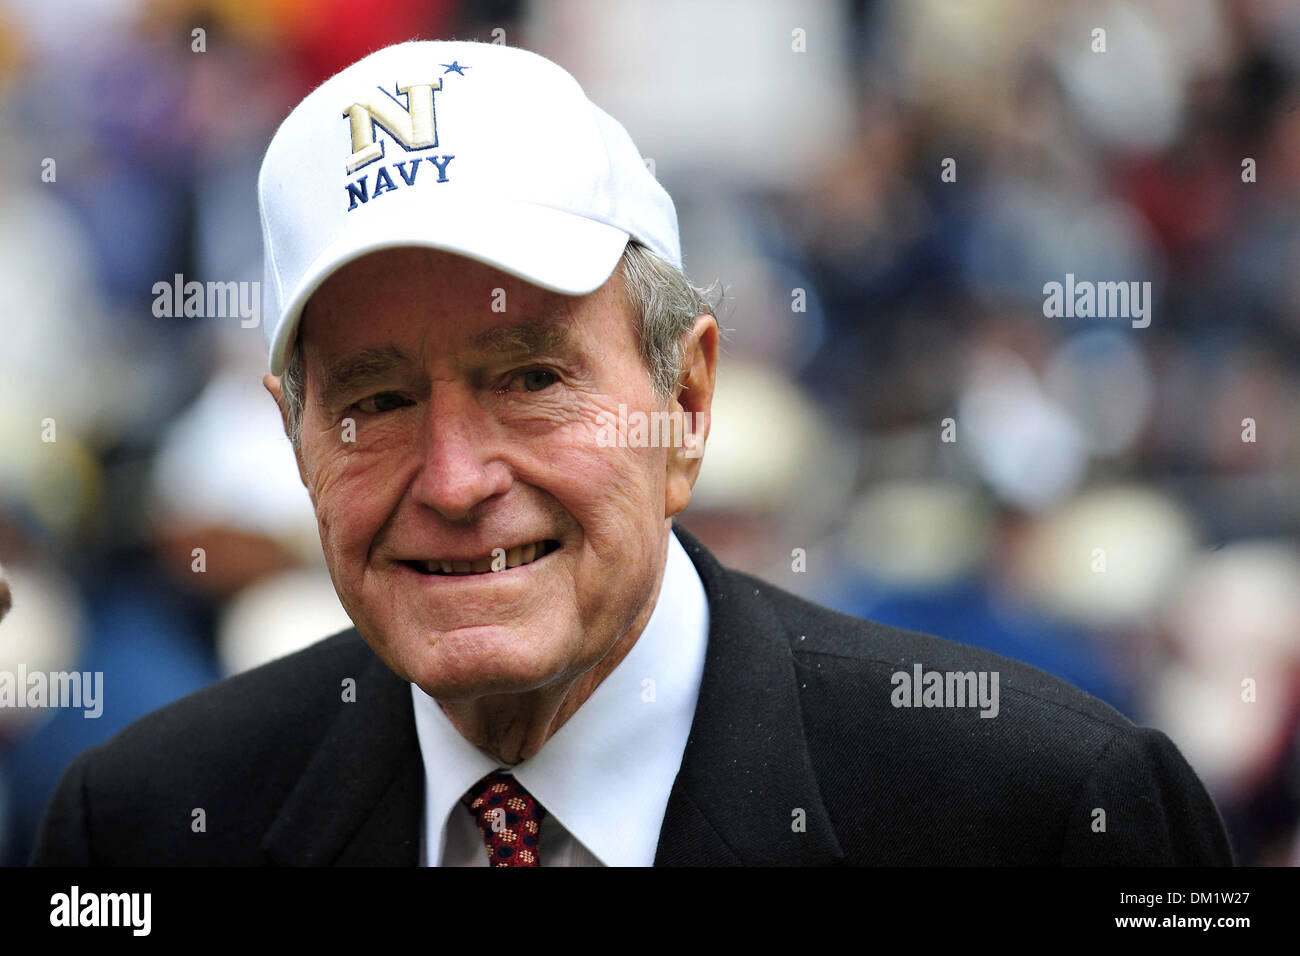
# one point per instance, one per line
(370, 438)
(349, 512)
(352, 470)
(614, 522)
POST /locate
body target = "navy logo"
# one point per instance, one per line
(407, 117)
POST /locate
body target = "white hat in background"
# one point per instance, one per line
(483, 150)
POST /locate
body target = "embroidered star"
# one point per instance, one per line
(453, 67)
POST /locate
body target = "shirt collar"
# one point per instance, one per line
(607, 773)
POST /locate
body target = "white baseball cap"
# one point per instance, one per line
(479, 149)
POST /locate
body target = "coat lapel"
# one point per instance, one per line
(359, 801)
(746, 771)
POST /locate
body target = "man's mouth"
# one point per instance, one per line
(512, 558)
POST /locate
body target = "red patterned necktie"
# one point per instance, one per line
(508, 817)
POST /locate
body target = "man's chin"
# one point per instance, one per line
(471, 662)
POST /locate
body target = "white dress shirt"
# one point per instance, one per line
(604, 777)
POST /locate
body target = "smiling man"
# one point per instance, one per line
(470, 520)
(470, 275)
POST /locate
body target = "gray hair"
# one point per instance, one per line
(664, 301)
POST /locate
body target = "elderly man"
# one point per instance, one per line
(473, 278)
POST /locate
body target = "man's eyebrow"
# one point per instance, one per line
(348, 373)
(520, 338)
(526, 338)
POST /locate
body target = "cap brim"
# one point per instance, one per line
(550, 248)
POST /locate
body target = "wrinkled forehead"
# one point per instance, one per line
(429, 278)
(392, 292)
(409, 297)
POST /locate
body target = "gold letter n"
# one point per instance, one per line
(413, 128)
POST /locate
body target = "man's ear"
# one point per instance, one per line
(693, 402)
(272, 383)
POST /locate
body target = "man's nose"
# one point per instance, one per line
(458, 468)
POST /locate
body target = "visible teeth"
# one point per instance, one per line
(516, 556)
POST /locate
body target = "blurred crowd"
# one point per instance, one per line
(900, 431)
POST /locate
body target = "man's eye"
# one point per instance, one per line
(534, 380)
(383, 402)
